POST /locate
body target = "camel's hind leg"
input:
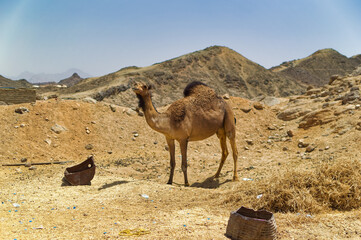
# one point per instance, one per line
(230, 129)
(184, 146)
(235, 157)
(221, 134)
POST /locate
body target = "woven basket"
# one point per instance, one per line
(248, 224)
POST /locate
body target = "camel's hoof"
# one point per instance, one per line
(235, 179)
(216, 176)
(186, 184)
(170, 183)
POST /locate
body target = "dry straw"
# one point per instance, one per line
(330, 186)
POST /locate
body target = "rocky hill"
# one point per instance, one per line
(220, 67)
(317, 68)
(71, 81)
(5, 82)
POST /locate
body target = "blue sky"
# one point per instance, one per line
(102, 36)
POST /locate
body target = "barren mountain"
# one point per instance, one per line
(317, 68)
(5, 82)
(71, 81)
(220, 67)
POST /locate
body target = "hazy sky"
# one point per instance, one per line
(102, 36)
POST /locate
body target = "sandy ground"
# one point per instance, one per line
(132, 160)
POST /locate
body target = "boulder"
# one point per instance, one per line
(317, 117)
(292, 113)
(89, 100)
(270, 101)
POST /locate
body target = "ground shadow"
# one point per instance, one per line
(210, 182)
(108, 185)
(65, 183)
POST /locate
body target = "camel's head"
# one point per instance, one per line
(141, 88)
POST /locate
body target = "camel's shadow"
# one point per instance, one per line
(210, 182)
(115, 183)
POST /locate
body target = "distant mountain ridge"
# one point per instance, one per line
(317, 68)
(6, 82)
(47, 77)
(72, 80)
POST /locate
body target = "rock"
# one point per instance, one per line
(112, 107)
(354, 89)
(270, 101)
(324, 93)
(350, 97)
(310, 148)
(136, 135)
(226, 96)
(89, 147)
(290, 133)
(48, 141)
(131, 112)
(32, 168)
(87, 130)
(22, 125)
(313, 91)
(58, 128)
(333, 78)
(246, 109)
(302, 143)
(317, 117)
(21, 110)
(89, 100)
(292, 113)
(271, 128)
(28, 164)
(258, 106)
(285, 148)
(246, 148)
(249, 141)
(23, 159)
(343, 109)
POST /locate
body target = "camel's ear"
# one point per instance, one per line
(149, 86)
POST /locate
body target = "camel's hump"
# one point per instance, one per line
(191, 88)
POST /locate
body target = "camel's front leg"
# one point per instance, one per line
(171, 146)
(183, 146)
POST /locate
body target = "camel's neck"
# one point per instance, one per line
(157, 121)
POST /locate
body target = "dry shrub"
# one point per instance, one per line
(335, 186)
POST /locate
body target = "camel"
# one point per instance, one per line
(197, 116)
